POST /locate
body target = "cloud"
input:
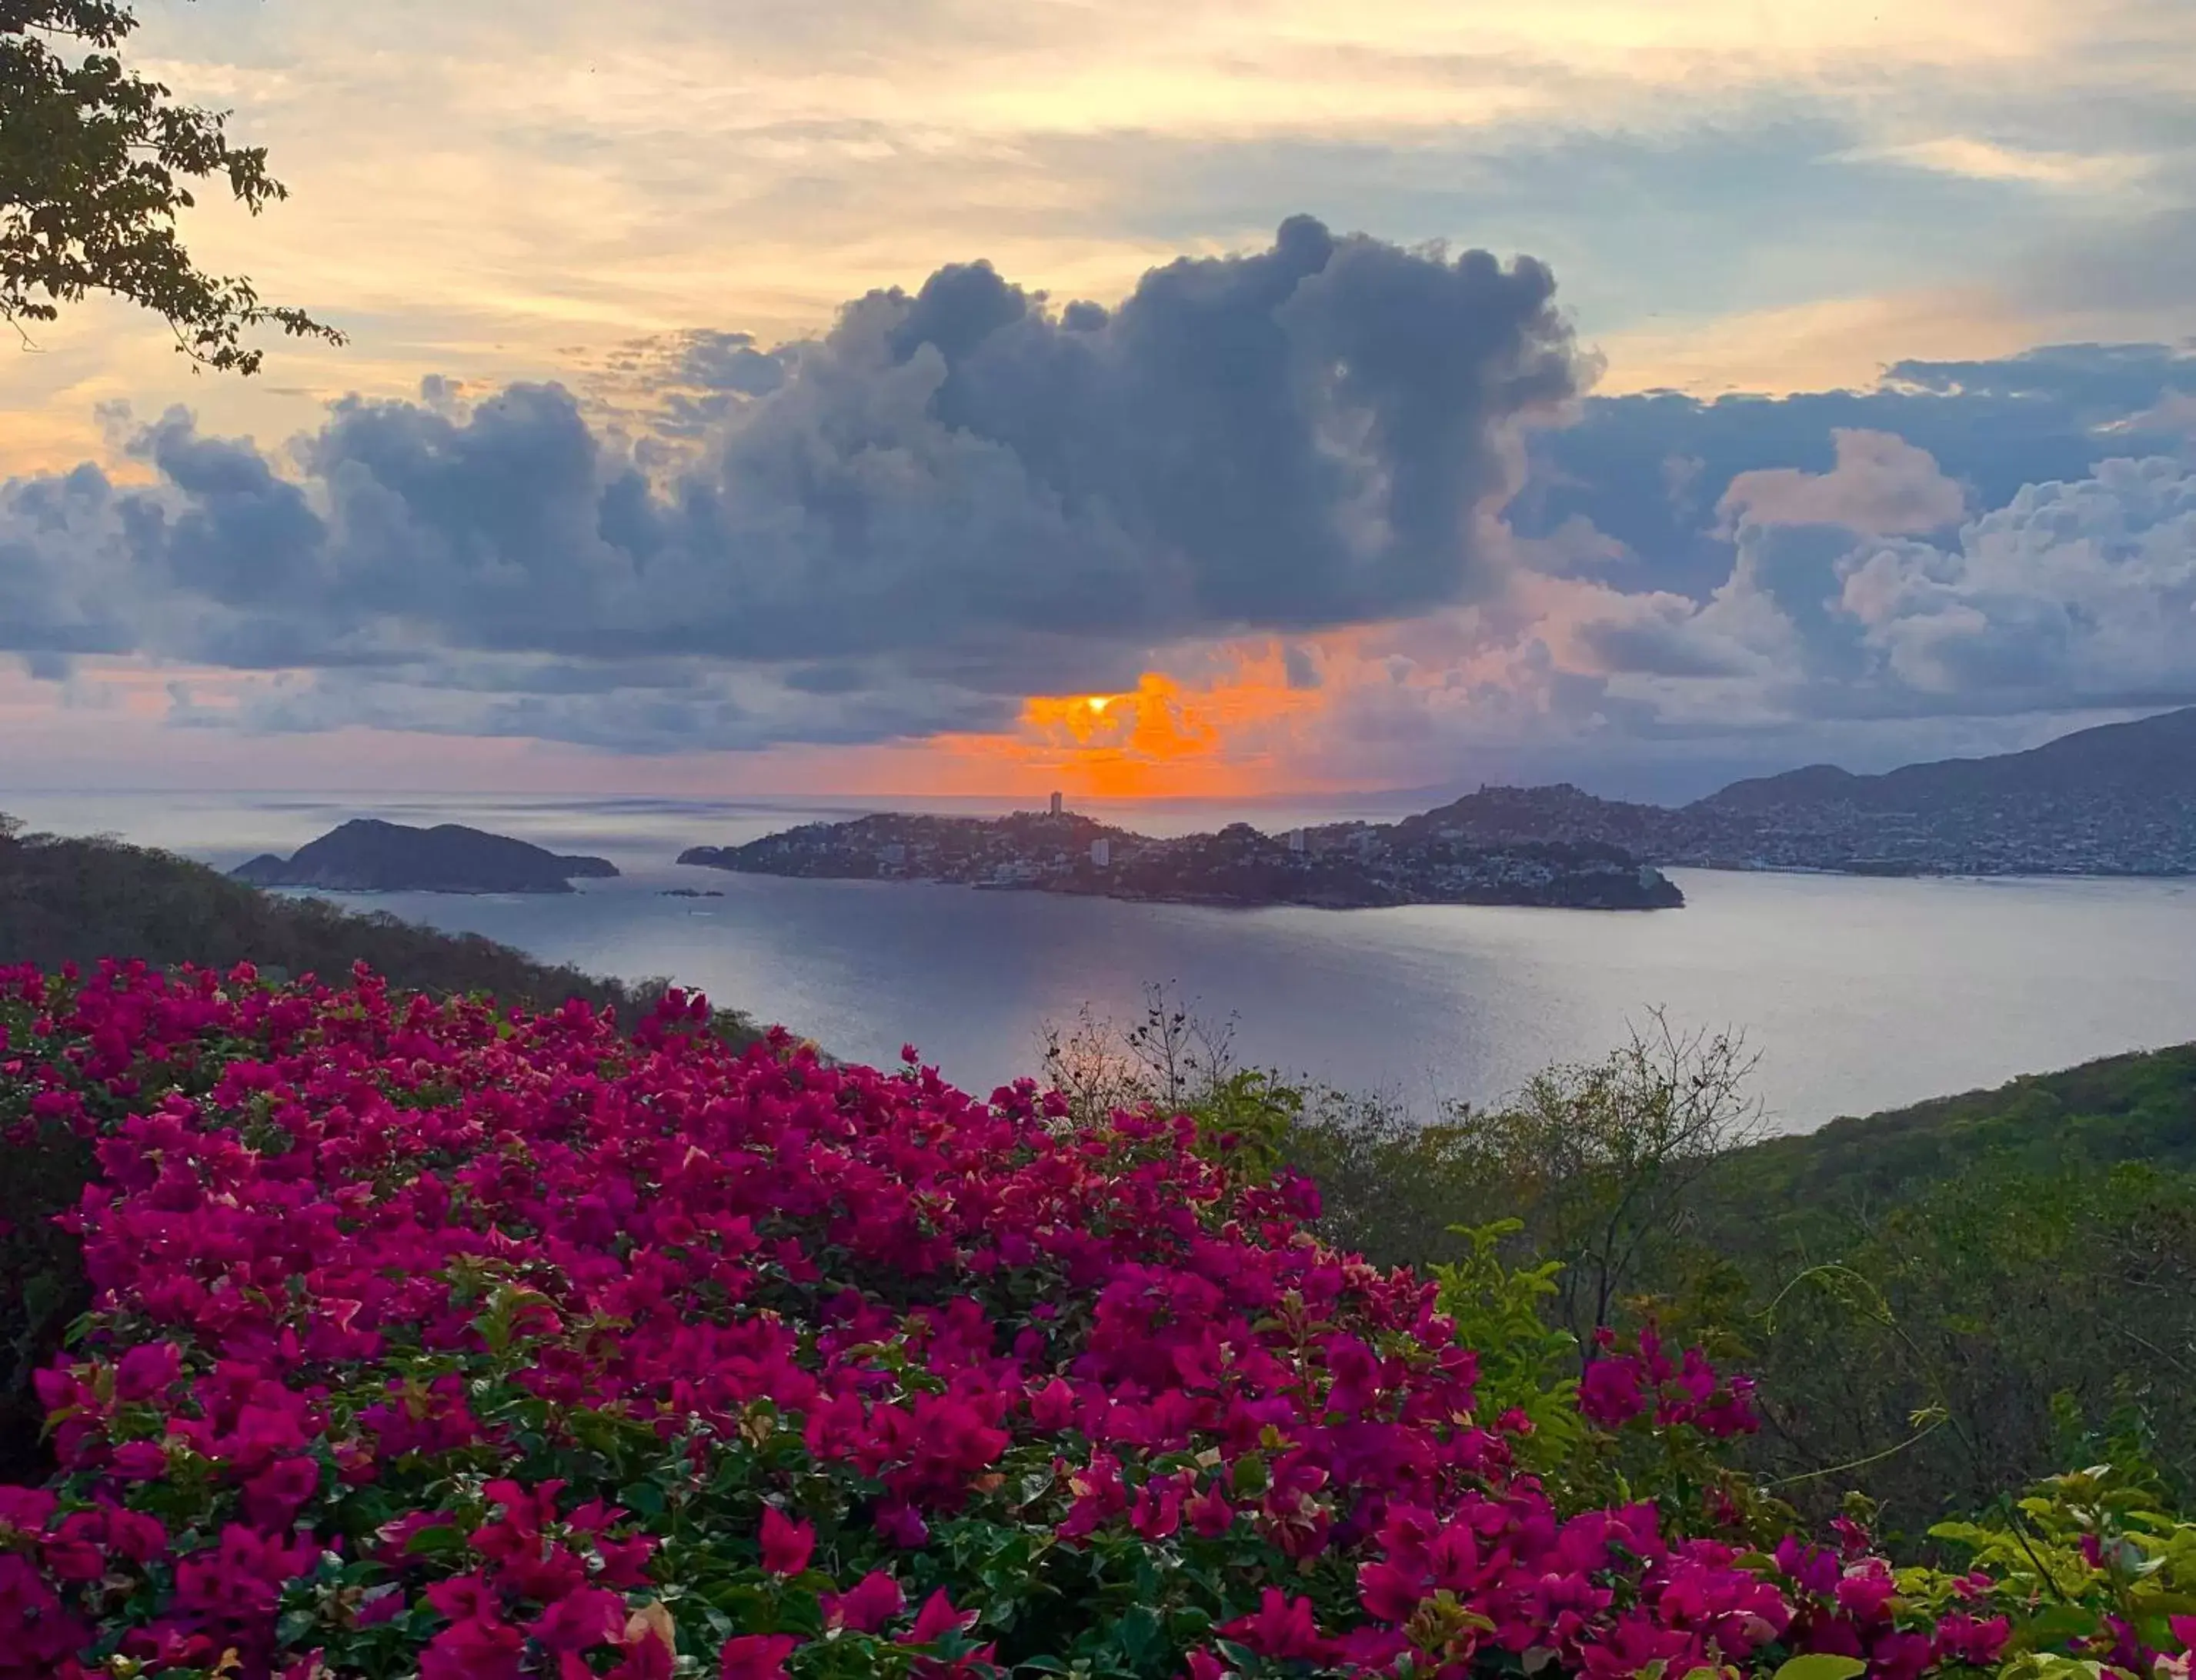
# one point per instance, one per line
(1986, 160)
(955, 496)
(2074, 596)
(1992, 426)
(1300, 665)
(1343, 497)
(1881, 484)
(2149, 264)
(2073, 599)
(2078, 593)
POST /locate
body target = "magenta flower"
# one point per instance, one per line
(348, 1240)
(579, 1621)
(754, 1656)
(935, 1619)
(786, 1545)
(1281, 1628)
(148, 1371)
(866, 1606)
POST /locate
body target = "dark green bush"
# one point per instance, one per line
(42, 1283)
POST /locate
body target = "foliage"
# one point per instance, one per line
(96, 163)
(2138, 1107)
(65, 901)
(437, 1339)
(1390, 1188)
(2098, 1573)
(79, 900)
(1171, 1059)
(1599, 1160)
(1941, 1303)
(1174, 1061)
(43, 1287)
(1980, 1335)
(1527, 1367)
(1393, 1188)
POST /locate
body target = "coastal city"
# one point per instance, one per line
(1338, 866)
(2020, 833)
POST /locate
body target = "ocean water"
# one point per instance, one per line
(1857, 994)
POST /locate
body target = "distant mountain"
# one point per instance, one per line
(366, 855)
(2150, 760)
(2119, 799)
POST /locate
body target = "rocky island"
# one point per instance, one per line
(1341, 866)
(366, 855)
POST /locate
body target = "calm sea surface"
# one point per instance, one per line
(1858, 994)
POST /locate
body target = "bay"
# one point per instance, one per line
(1858, 993)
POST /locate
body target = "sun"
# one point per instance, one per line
(1098, 703)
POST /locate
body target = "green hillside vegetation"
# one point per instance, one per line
(1942, 1303)
(1964, 1289)
(77, 900)
(2135, 1107)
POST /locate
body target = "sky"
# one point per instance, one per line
(1220, 399)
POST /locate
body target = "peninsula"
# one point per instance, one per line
(366, 855)
(1341, 866)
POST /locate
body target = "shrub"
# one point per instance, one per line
(439, 1341)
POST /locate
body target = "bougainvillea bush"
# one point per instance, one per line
(434, 1340)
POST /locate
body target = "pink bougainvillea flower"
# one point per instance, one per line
(935, 1619)
(148, 1370)
(867, 1606)
(1282, 1628)
(474, 1649)
(786, 1545)
(579, 1621)
(755, 1656)
(346, 1242)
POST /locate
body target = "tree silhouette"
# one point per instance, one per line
(95, 164)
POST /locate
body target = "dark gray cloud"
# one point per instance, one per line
(1657, 646)
(968, 494)
(964, 490)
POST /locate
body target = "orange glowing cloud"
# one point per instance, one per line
(1225, 737)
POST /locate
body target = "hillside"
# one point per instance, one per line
(2017, 1265)
(2136, 1107)
(79, 900)
(366, 855)
(2117, 799)
(2149, 759)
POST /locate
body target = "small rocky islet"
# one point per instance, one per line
(367, 855)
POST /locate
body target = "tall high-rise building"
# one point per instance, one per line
(1101, 852)
(1296, 840)
(1055, 805)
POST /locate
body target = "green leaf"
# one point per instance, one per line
(433, 1542)
(1822, 1666)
